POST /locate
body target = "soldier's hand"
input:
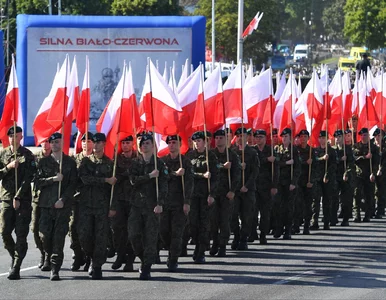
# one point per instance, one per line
(227, 165)
(369, 155)
(180, 172)
(309, 161)
(111, 180)
(210, 200)
(325, 157)
(58, 177)
(59, 203)
(16, 203)
(13, 164)
(271, 159)
(230, 195)
(112, 213)
(292, 187)
(243, 165)
(207, 175)
(158, 209)
(325, 179)
(343, 158)
(273, 191)
(379, 173)
(310, 185)
(186, 209)
(154, 174)
(289, 162)
(372, 178)
(345, 177)
(244, 189)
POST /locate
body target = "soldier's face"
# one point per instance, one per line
(46, 146)
(275, 139)
(286, 139)
(250, 139)
(173, 146)
(241, 138)
(99, 146)
(260, 139)
(56, 145)
(339, 140)
(199, 144)
(355, 124)
(365, 138)
(303, 139)
(147, 146)
(220, 141)
(348, 138)
(15, 138)
(127, 146)
(87, 145)
(323, 141)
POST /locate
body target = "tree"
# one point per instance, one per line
(146, 7)
(365, 22)
(226, 27)
(333, 21)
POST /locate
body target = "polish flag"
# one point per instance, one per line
(249, 73)
(314, 95)
(253, 25)
(160, 105)
(165, 75)
(120, 117)
(52, 111)
(367, 116)
(234, 106)
(172, 79)
(184, 76)
(336, 101)
(380, 99)
(347, 96)
(371, 84)
(12, 107)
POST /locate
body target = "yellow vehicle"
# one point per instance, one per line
(347, 64)
(356, 53)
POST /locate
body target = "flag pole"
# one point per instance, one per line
(292, 136)
(312, 119)
(381, 121)
(342, 110)
(15, 113)
(242, 123)
(271, 115)
(326, 111)
(87, 112)
(240, 39)
(367, 120)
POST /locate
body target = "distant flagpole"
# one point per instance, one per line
(240, 39)
(213, 35)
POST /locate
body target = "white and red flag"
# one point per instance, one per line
(12, 112)
(253, 25)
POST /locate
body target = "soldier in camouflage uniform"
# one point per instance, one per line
(79, 259)
(345, 177)
(55, 208)
(45, 151)
(266, 185)
(123, 191)
(177, 203)
(245, 196)
(380, 180)
(367, 163)
(95, 207)
(146, 204)
(289, 170)
(326, 181)
(203, 196)
(226, 190)
(16, 205)
(305, 190)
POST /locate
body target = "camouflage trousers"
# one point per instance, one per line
(19, 221)
(143, 226)
(93, 230)
(220, 220)
(36, 212)
(172, 225)
(73, 232)
(344, 196)
(53, 228)
(263, 207)
(380, 194)
(303, 205)
(364, 190)
(284, 203)
(119, 225)
(199, 220)
(243, 207)
(324, 192)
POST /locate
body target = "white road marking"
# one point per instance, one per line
(293, 278)
(21, 270)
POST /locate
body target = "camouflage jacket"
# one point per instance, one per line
(304, 155)
(350, 163)
(123, 188)
(47, 168)
(95, 192)
(25, 174)
(36, 191)
(283, 155)
(332, 163)
(265, 180)
(252, 166)
(363, 164)
(235, 172)
(144, 188)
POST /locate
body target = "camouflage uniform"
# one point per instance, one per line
(380, 185)
(123, 192)
(327, 191)
(199, 216)
(285, 199)
(245, 202)
(143, 223)
(94, 206)
(173, 219)
(19, 219)
(364, 187)
(220, 225)
(54, 223)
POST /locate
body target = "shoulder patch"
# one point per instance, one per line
(166, 172)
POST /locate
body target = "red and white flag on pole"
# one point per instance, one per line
(253, 25)
(12, 106)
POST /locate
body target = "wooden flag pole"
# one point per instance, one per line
(243, 142)
(326, 103)
(342, 111)
(292, 136)
(381, 122)
(270, 125)
(312, 119)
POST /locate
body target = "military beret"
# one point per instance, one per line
(99, 137)
(354, 117)
(198, 135)
(249, 131)
(228, 130)
(89, 136)
(338, 132)
(322, 133)
(378, 131)
(240, 130)
(347, 131)
(172, 138)
(220, 132)
(260, 132)
(55, 136)
(274, 131)
(285, 131)
(144, 132)
(304, 132)
(129, 138)
(208, 134)
(364, 130)
(11, 130)
(145, 137)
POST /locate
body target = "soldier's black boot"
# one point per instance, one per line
(214, 249)
(172, 264)
(345, 222)
(118, 262)
(253, 236)
(278, 232)
(263, 239)
(129, 265)
(79, 261)
(235, 242)
(47, 263)
(158, 258)
(144, 272)
(326, 226)
(200, 258)
(42, 259)
(243, 245)
(87, 264)
(222, 251)
(54, 273)
(96, 273)
(287, 233)
(110, 252)
(314, 226)
(195, 252)
(357, 218)
(14, 273)
(184, 251)
(306, 228)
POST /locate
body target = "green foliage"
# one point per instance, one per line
(146, 7)
(365, 22)
(333, 21)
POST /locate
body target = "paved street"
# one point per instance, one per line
(343, 263)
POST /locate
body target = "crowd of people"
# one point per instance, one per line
(225, 183)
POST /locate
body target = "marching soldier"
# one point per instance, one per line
(380, 180)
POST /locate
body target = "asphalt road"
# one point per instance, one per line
(343, 263)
